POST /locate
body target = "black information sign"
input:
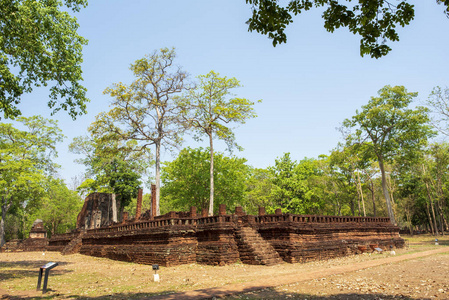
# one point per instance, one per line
(47, 267)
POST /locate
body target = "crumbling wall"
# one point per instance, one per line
(97, 211)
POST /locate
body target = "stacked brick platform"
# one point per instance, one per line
(31, 244)
(27, 245)
(183, 237)
(299, 238)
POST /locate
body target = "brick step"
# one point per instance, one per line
(251, 257)
(270, 261)
(256, 246)
(74, 245)
(266, 252)
(253, 249)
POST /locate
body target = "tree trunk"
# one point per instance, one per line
(373, 198)
(211, 198)
(430, 218)
(432, 208)
(158, 176)
(359, 187)
(430, 201)
(440, 204)
(390, 188)
(385, 192)
(358, 204)
(409, 222)
(352, 206)
(5, 205)
(2, 226)
(446, 227)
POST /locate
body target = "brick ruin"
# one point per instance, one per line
(37, 240)
(187, 237)
(99, 210)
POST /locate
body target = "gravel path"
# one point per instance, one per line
(268, 283)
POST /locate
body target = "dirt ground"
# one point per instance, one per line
(423, 278)
(83, 277)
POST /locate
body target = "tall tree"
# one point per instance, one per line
(440, 155)
(438, 102)
(388, 128)
(375, 21)
(25, 159)
(146, 110)
(39, 45)
(186, 181)
(208, 110)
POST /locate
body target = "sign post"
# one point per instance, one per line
(47, 267)
(156, 275)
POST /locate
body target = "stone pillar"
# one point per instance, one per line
(261, 211)
(239, 211)
(204, 212)
(222, 209)
(153, 200)
(278, 211)
(193, 212)
(139, 204)
(114, 208)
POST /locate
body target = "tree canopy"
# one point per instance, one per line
(112, 165)
(374, 21)
(388, 128)
(40, 46)
(438, 103)
(209, 110)
(58, 207)
(147, 110)
(186, 180)
(291, 188)
(25, 160)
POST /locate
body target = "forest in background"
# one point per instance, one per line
(388, 162)
(347, 181)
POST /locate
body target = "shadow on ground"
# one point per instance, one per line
(264, 294)
(272, 294)
(22, 269)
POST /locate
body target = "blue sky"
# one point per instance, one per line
(308, 86)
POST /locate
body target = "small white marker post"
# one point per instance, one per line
(392, 252)
(436, 242)
(156, 275)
